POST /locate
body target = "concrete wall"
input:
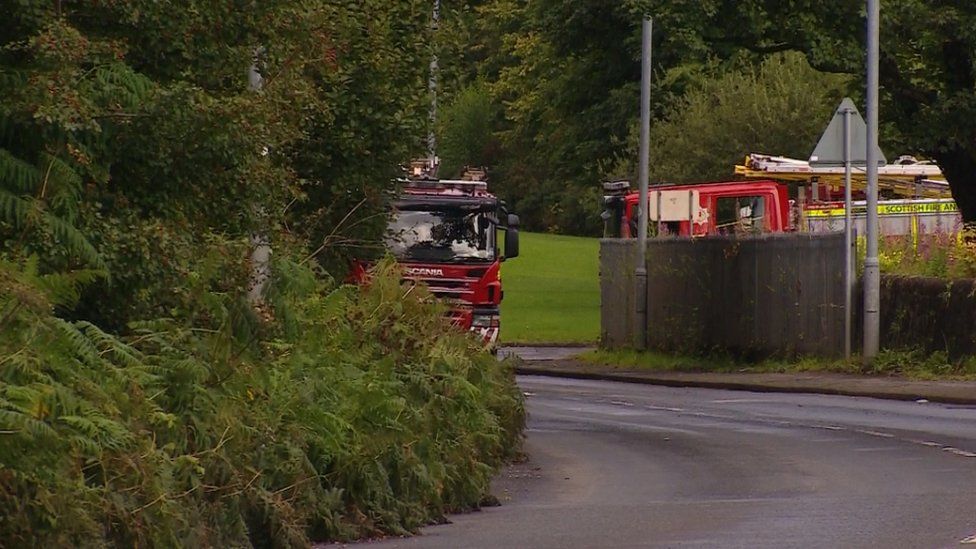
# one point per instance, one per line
(617, 292)
(752, 296)
(929, 314)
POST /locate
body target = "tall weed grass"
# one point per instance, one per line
(940, 255)
(344, 413)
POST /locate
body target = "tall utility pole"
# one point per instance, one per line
(260, 244)
(640, 271)
(872, 274)
(848, 237)
(432, 85)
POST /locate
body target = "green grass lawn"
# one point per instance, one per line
(552, 291)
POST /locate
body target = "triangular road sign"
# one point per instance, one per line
(830, 149)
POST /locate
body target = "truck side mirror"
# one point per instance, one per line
(612, 215)
(512, 237)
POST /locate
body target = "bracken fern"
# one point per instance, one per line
(364, 414)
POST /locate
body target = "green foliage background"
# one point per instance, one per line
(144, 401)
(465, 129)
(564, 79)
(779, 107)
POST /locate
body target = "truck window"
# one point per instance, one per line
(443, 235)
(669, 228)
(740, 214)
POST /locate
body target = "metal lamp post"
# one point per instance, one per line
(872, 274)
(640, 270)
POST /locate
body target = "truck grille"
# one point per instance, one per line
(448, 288)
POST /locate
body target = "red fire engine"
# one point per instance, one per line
(916, 200)
(699, 210)
(444, 233)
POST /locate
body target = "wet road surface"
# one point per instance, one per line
(621, 465)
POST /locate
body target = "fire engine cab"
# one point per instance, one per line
(699, 210)
(444, 233)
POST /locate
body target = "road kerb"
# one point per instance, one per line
(726, 381)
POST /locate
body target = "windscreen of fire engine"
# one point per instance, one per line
(740, 214)
(441, 235)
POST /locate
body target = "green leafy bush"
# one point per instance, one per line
(351, 412)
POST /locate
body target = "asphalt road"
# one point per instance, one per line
(622, 465)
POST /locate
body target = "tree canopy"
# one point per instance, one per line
(779, 107)
(565, 75)
(129, 137)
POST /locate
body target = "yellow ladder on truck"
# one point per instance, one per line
(907, 177)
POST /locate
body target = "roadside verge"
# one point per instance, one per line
(890, 388)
